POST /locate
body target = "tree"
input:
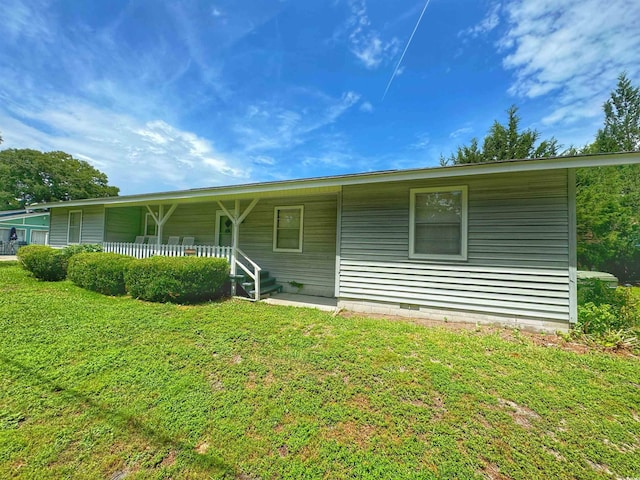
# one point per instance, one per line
(621, 131)
(608, 198)
(504, 142)
(30, 176)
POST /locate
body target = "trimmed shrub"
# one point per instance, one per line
(44, 263)
(100, 272)
(177, 279)
(72, 250)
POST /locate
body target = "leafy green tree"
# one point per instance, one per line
(29, 176)
(504, 142)
(608, 198)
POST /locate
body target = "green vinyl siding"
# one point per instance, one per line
(122, 224)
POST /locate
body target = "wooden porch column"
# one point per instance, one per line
(161, 219)
(236, 220)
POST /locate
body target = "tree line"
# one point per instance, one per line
(607, 198)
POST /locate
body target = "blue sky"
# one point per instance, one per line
(166, 95)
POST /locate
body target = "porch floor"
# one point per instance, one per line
(298, 300)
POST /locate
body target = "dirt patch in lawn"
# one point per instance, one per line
(547, 340)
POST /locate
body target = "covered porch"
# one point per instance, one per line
(273, 243)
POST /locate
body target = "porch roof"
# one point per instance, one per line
(332, 184)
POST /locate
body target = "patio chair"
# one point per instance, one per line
(139, 239)
(188, 241)
(152, 239)
(173, 241)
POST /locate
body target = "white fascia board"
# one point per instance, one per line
(334, 183)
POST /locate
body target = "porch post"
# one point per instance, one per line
(236, 219)
(160, 224)
(234, 248)
(161, 219)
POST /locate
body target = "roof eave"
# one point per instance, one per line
(333, 183)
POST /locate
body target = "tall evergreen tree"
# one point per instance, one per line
(608, 198)
(504, 142)
(621, 131)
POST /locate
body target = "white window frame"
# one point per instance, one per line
(148, 216)
(276, 210)
(219, 215)
(463, 227)
(46, 236)
(69, 242)
(24, 234)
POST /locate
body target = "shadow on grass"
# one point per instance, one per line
(117, 418)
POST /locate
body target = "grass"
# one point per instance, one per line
(103, 387)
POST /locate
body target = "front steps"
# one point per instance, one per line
(268, 285)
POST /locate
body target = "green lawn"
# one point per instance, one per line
(101, 387)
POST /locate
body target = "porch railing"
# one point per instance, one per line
(142, 250)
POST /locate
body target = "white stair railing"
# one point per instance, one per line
(254, 275)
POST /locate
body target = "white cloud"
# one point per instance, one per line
(421, 143)
(490, 21)
(573, 49)
(366, 107)
(152, 155)
(366, 43)
(460, 132)
(269, 126)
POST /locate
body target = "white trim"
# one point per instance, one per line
(338, 243)
(216, 231)
(148, 215)
(46, 236)
(69, 227)
(275, 228)
(464, 221)
(573, 248)
(332, 184)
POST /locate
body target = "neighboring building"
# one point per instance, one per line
(493, 242)
(31, 228)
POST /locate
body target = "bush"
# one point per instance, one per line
(72, 250)
(45, 263)
(100, 272)
(601, 304)
(177, 279)
(598, 319)
(50, 264)
(607, 316)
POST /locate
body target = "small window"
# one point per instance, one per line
(438, 223)
(39, 237)
(287, 229)
(75, 226)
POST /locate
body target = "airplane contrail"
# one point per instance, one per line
(405, 50)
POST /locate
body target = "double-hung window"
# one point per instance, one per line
(438, 223)
(74, 232)
(287, 228)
